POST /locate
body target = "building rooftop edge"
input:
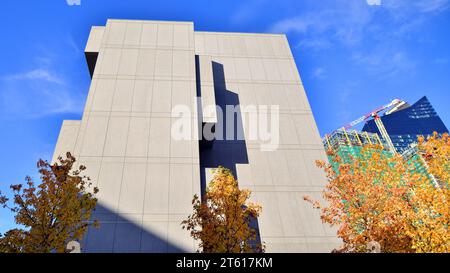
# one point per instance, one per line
(192, 23)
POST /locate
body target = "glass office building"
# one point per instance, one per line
(406, 124)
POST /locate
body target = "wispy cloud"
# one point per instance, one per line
(36, 93)
(36, 74)
(432, 5)
(345, 24)
(384, 64)
(380, 36)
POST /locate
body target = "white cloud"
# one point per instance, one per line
(36, 93)
(381, 39)
(384, 63)
(346, 23)
(432, 5)
(36, 74)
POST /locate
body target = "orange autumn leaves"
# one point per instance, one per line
(387, 200)
(222, 220)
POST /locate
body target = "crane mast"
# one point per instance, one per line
(384, 133)
(378, 122)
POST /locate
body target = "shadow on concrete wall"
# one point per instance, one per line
(121, 235)
(224, 152)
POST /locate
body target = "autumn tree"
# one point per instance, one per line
(389, 200)
(56, 211)
(432, 223)
(222, 220)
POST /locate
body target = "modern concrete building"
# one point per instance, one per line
(142, 69)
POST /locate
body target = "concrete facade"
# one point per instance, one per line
(140, 71)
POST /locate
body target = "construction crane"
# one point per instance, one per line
(378, 122)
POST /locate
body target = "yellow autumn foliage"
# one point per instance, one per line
(221, 221)
(389, 200)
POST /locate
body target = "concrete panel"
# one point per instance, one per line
(242, 69)
(179, 238)
(149, 34)
(92, 171)
(165, 35)
(157, 189)
(182, 93)
(116, 138)
(224, 43)
(131, 198)
(100, 240)
(297, 168)
(164, 61)
(257, 69)
(94, 137)
(211, 46)
(146, 62)
(286, 70)
(279, 168)
(297, 97)
(181, 35)
(252, 46)
(110, 61)
(123, 96)
(115, 32)
(142, 96)
(265, 46)
(66, 139)
(291, 218)
(180, 188)
(127, 238)
(104, 93)
(183, 63)
(271, 70)
(279, 44)
(95, 39)
(238, 45)
(316, 175)
(260, 167)
(162, 97)
(109, 182)
(133, 33)
(287, 126)
(269, 214)
(159, 140)
(137, 140)
(306, 131)
(280, 97)
(128, 62)
(199, 40)
(154, 237)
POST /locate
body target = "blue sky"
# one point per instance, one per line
(353, 55)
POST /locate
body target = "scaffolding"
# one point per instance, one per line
(349, 144)
(343, 138)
